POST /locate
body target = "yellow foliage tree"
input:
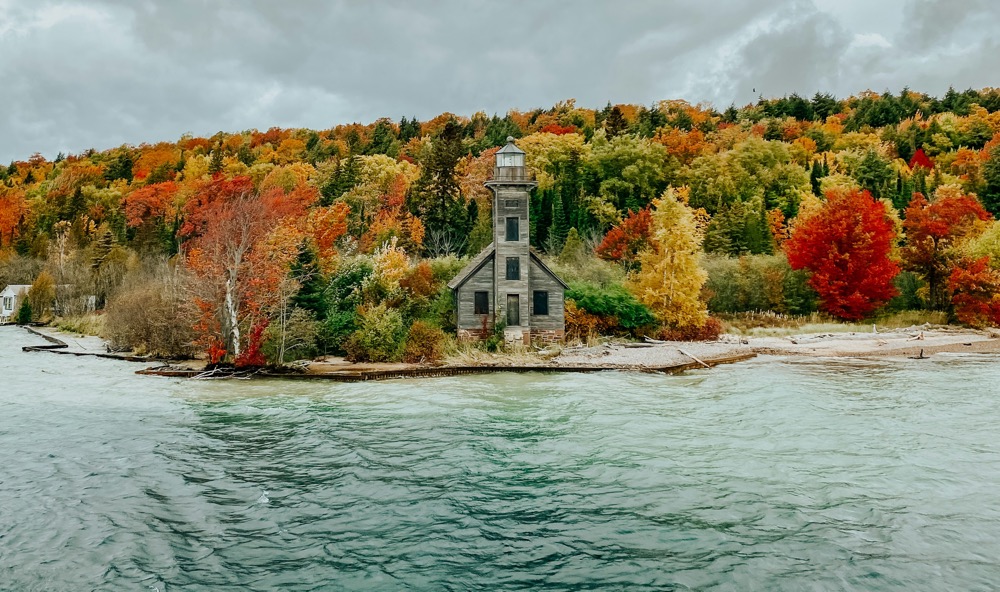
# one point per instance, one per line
(669, 279)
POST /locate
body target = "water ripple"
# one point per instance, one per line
(772, 475)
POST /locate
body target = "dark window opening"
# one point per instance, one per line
(540, 302)
(513, 230)
(513, 268)
(512, 203)
(482, 304)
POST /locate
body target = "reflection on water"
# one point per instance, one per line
(774, 474)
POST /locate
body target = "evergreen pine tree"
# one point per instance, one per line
(814, 176)
(312, 295)
(436, 197)
(560, 227)
(215, 164)
(24, 313)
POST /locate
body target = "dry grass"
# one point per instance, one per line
(913, 318)
(772, 324)
(469, 354)
(87, 324)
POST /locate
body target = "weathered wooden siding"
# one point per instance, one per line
(481, 281)
(556, 319)
(511, 201)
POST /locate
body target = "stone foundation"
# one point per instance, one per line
(527, 337)
(547, 336)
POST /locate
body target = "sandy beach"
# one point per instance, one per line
(649, 356)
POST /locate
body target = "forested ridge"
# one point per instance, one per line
(266, 247)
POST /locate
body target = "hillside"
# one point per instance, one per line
(289, 243)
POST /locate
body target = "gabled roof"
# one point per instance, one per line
(484, 256)
(469, 270)
(546, 269)
(17, 288)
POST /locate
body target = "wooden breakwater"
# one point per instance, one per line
(440, 371)
(57, 346)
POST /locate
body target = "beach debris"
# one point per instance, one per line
(693, 357)
(917, 337)
(920, 357)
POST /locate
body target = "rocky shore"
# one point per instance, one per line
(650, 356)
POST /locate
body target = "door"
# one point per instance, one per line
(513, 310)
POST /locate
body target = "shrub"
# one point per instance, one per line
(42, 296)
(582, 325)
(710, 331)
(441, 310)
(151, 318)
(757, 282)
(620, 310)
(424, 343)
(295, 339)
(379, 337)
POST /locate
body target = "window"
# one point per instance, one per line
(482, 304)
(513, 268)
(8, 303)
(513, 231)
(512, 203)
(540, 303)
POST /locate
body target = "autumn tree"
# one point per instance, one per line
(148, 209)
(846, 245)
(933, 229)
(669, 280)
(13, 208)
(226, 225)
(975, 290)
(627, 240)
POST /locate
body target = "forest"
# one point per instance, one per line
(666, 220)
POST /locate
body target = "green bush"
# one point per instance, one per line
(335, 329)
(296, 340)
(344, 297)
(756, 283)
(612, 301)
(909, 285)
(441, 310)
(379, 338)
(424, 343)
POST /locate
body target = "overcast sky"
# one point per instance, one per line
(77, 74)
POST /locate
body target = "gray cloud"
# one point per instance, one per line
(97, 73)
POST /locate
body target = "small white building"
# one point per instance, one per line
(10, 300)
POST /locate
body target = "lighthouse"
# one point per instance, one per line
(507, 282)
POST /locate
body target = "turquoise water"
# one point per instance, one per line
(768, 475)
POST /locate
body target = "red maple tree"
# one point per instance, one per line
(846, 245)
(920, 159)
(975, 288)
(932, 228)
(623, 242)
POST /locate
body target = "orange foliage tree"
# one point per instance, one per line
(226, 225)
(932, 228)
(975, 289)
(149, 203)
(846, 246)
(394, 221)
(13, 208)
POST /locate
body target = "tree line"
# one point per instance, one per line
(258, 247)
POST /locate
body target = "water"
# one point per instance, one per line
(768, 475)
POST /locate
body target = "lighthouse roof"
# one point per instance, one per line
(510, 148)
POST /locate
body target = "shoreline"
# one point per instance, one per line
(649, 357)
